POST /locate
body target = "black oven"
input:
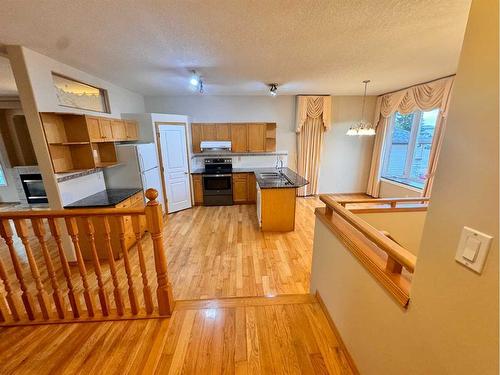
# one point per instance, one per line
(217, 182)
(33, 188)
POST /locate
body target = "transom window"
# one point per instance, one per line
(408, 147)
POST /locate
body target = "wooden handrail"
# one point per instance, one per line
(77, 212)
(392, 201)
(393, 250)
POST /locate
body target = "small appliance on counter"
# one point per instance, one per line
(218, 182)
(139, 169)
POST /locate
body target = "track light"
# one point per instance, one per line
(273, 89)
(195, 78)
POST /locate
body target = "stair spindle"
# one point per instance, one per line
(42, 297)
(74, 300)
(128, 270)
(146, 290)
(39, 230)
(10, 296)
(72, 228)
(26, 297)
(112, 266)
(103, 297)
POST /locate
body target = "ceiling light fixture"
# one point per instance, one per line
(195, 78)
(273, 89)
(196, 81)
(362, 127)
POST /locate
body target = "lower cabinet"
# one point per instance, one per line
(197, 189)
(244, 188)
(134, 201)
(240, 187)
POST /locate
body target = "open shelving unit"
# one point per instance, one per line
(69, 144)
(271, 136)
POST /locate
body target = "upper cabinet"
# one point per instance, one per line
(239, 138)
(79, 142)
(257, 137)
(244, 137)
(119, 130)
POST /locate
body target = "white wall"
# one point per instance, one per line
(345, 160)
(40, 68)
(390, 189)
(33, 74)
(81, 187)
(451, 325)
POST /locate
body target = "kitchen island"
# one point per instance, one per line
(276, 195)
(109, 198)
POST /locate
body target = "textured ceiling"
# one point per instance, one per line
(325, 46)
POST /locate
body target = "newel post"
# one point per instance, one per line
(154, 217)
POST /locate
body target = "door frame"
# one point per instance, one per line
(160, 158)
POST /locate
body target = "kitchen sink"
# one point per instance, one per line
(275, 177)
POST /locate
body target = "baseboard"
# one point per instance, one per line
(348, 357)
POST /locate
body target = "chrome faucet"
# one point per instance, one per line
(279, 163)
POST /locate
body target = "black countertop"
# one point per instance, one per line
(287, 179)
(290, 179)
(105, 198)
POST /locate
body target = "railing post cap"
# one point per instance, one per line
(152, 194)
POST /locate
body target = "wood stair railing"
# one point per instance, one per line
(73, 297)
(378, 252)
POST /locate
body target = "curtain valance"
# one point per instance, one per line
(314, 107)
(424, 97)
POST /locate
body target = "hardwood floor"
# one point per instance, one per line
(280, 335)
(216, 252)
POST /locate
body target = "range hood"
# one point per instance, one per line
(217, 146)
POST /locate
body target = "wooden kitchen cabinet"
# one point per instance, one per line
(118, 130)
(240, 187)
(252, 188)
(100, 129)
(197, 189)
(132, 130)
(257, 137)
(223, 132)
(135, 201)
(196, 135)
(209, 132)
(239, 138)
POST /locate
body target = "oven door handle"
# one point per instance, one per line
(217, 175)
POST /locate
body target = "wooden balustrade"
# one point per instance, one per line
(51, 274)
(385, 204)
(383, 257)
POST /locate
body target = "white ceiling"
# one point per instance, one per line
(326, 46)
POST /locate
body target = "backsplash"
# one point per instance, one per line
(244, 161)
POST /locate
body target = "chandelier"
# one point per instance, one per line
(362, 127)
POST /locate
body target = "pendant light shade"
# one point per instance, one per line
(362, 127)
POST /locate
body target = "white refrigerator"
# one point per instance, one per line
(138, 168)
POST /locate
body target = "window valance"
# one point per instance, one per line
(314, 107)
(422, 97)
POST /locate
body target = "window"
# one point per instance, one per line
(408, 147)
(75, 94)
(3, 181)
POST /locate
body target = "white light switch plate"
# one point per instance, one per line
(473, 245)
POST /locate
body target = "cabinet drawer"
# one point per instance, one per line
(240, 176)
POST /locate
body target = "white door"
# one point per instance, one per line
(175, 166)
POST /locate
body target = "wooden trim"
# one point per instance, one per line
(231, 302)
(343, 202)
(395, 251)
(372, 210)
(336, 332)
(368, 254)
(72, 213)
